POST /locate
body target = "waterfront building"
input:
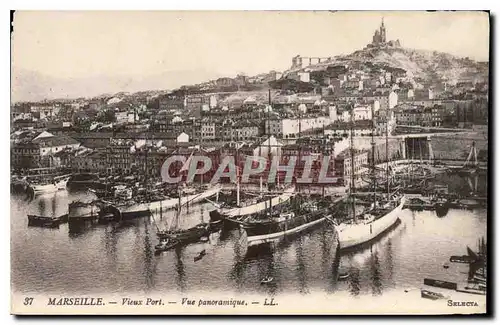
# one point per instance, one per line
(411, 114)
(343, 166)
(293, 127)
(39, 151)
(343, 129)
(90, 161)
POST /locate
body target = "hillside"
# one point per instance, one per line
(421, 64)
(27, 85)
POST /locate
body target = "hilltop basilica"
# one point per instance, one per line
(380, 38)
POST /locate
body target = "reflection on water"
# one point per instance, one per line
(118, 258)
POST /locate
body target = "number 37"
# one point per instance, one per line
(28, 301)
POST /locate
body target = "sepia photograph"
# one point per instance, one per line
(249, 162)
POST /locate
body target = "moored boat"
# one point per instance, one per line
(155, 203)
(138, 207)
(373, 224)
(165, 245)
(18, 184)
(200, 255)
(427, 294)
(267, 228)
(343, 276)
(442, 208)
(266, 280)
(87, 181)
(192, 234)
(245, 210)
(418, 204)
(51, 185)
(383, 213)
(82, 214)
(41, 221)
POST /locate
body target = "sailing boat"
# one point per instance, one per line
(275, 225)
(143, 206)
(470, 165)
(416, 176)
(193, 234)
(184, 236)
(251, 207)
(376, 220)
(164, 243)
(477, 275)
(254, 206)
(49, 185)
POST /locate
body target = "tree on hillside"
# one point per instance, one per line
(107, 116)
(293, 85)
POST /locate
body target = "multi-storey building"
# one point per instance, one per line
(245, 130)
(293, 127)
(420, 115)
(344, 166)
(40, 151)
(171, 102)
(208, 130)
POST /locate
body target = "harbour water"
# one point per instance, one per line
(116, 259)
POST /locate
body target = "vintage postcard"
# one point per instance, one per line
(249, 162)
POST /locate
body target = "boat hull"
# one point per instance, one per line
(441, 209)
(188, 235)
(163, 248)
(44, 189)
(48, 222)
(49, 188)
(130, 211)
(270, 230)
(232, 213)
(272, 237)
(358, 234)
(81, 215)
(427, 294)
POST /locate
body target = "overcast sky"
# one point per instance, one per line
(86, 44)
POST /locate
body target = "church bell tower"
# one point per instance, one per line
(382, 32)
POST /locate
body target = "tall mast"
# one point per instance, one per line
(260, 178)
(237, 177)
(300, 123)
(475, 152)
(269, 140)
(146, 164)
(420, 151)
(323, 144)
(352, 187)
(387, 152)
(373, 174)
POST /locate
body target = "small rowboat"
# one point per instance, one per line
(165, 245)
(200, 255)
(431, 295)
(343, 276)
(266, 280)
